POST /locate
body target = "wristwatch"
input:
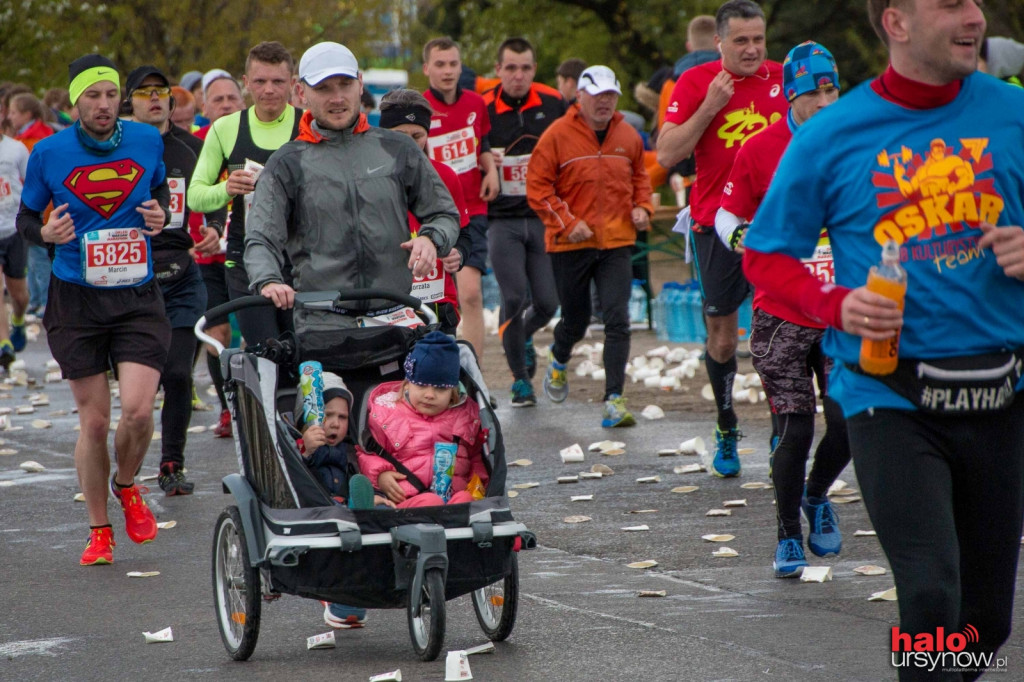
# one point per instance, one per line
(737, 235)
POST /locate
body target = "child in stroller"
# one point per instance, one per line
(325, 450)
(411, 419)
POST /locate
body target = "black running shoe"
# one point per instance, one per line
(173, 482)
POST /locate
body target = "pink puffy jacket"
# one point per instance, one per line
(409, 437)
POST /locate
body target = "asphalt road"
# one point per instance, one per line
(579, 617)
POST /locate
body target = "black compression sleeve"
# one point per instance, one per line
(162, 193)
(30, 225)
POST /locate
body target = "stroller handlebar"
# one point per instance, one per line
(314, 300)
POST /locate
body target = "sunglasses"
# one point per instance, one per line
(161, 92)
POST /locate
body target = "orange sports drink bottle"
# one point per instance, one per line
(890, 280)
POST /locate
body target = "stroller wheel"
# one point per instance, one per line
(427, 626)
(236, 587)
(496, 605)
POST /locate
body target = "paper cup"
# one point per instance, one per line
(573, 453)
(694, 446)
(456, 667)
(393, 676)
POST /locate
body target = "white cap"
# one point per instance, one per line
(324, 60)
(214, 75)
(597, 79)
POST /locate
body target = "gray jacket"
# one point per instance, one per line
(337, 202)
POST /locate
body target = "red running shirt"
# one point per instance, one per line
(457, 135)
(757, 102)
(751, 174)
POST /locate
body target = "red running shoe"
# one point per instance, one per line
(98, 550)
(223, 429)
(138, 519)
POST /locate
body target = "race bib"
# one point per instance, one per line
(820, 264)
(456, 149)
(402, 317)
(114, 257)
(429, 289)
(177, 187)
(513, 175)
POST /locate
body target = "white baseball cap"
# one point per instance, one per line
(327, 59)
(597, 79)
(214, 75)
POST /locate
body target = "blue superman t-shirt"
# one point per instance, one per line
(870, 170)
(102, 192)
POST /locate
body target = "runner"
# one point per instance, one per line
(327, 200)
(942, 479)
(241, 143)
(13, 254)
(716, 107)
(786, 345)
(228, 95)
(107, 182)
(519, 113)
(407, 112)
(458, 137)
(148, 98)
(588, 184)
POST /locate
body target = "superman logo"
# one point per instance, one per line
(105, 186)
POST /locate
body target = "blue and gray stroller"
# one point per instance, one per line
(285, 535)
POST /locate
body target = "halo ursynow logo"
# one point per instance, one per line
(942, 652)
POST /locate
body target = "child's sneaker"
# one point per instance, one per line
(138, 519)
(615, 413)
(556, 381)
(522, 394)
(341, 617)
(789, 558)
(360, 492)
(824, 538)
(727, 460)
(98, 550)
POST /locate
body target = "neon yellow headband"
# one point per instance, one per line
(96, 74)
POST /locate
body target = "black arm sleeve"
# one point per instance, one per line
(217, 219)
(162, 193)
(462, 245)
(30, 225)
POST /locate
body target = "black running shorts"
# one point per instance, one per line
(92, 330)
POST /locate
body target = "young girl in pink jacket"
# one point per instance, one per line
(414, 418)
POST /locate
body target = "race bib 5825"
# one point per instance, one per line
(114, 257)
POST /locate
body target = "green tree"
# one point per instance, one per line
(41, 37)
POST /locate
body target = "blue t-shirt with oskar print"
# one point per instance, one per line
(102, 190)
(870, 170)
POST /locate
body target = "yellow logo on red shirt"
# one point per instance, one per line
(742, 124)
(935, 194)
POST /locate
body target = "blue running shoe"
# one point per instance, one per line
(824, 538)
(727, 461)
(522, 394)
(531, 359)
(615, 413)
(18, 338)
(789, 558)
(6, 354)
(556, 381)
